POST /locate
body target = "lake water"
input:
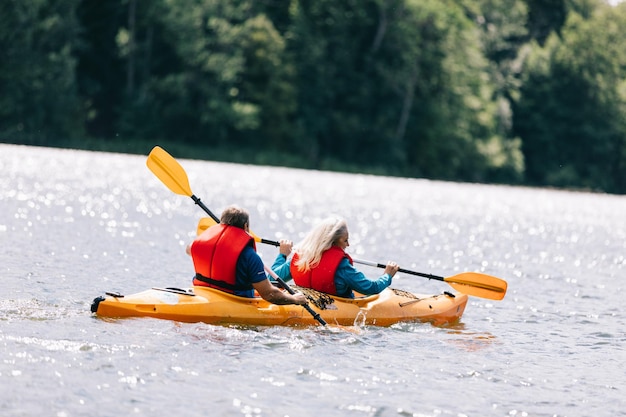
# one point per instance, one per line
(75, 224)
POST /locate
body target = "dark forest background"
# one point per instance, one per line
(502, 91)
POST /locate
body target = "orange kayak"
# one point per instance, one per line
(202, 304)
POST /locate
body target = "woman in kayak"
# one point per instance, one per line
(225, 258)
(320, 262)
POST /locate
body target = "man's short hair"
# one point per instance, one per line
(235, 216)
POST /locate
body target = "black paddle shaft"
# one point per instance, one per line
(419, 274)
(308, 308)
(205, 208)
(379, 265)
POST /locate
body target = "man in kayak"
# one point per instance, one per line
(225, 258)
(320, 262)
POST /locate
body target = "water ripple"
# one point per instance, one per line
(75, 224)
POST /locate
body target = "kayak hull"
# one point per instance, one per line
(202, 304)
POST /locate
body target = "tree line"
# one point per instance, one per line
(524, 92)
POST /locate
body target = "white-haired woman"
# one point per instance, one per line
(320, 262)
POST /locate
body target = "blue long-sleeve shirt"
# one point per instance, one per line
(347, 278)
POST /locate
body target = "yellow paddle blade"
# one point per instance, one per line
(169, 171)
(478, 285)
(206, 222)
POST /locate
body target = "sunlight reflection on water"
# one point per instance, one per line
(75, 224)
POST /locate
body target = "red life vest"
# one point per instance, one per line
(215, 253)
(322, 276)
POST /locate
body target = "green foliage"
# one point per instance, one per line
(266, 83)
(38, 97)
(545, 17)
(100, 71)
(572, 110)
(401, 84)
(475, 90)
(503, 32)
(227, 81)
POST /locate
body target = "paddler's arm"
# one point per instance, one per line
(275, 295)
(281, 265)
(347, 276)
